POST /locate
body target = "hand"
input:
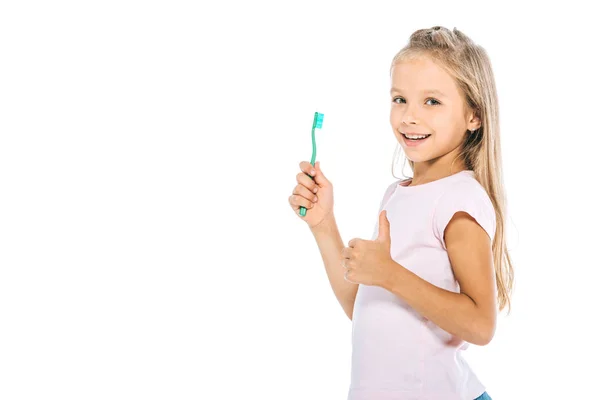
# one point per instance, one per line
(307, 189)
(369, 261)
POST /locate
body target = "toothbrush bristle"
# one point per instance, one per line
(319, 120)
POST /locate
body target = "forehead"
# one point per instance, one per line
(420, 75)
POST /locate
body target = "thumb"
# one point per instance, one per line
(319, 177)
(384, 226)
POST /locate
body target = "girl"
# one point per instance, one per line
(429, 281)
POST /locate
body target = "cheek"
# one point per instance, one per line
(446, 139)
(441, 121)
(395, 118)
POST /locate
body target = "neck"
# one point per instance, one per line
(424, 173)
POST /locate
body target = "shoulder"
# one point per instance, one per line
(465, 195)
(389, 190)
(463, 189)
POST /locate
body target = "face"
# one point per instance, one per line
(443, 114)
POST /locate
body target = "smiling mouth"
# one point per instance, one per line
(416, 140)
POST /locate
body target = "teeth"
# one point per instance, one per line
(416, 136)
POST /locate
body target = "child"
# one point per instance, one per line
(429, 281)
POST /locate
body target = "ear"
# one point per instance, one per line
(475, 121)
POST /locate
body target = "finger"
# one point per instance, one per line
(305, 181)
(345, 253)
(352, 243)
(296, 201)
(307, 168)
(304, 192)
(320, 178)
(346, 263)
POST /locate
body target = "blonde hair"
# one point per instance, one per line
(469, 65)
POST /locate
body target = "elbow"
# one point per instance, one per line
(483, 340)
(484, 333)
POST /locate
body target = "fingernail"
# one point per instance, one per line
(312, 172)
(315, 190)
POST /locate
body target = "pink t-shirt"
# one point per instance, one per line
(397, 353)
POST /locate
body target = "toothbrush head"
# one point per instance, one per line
(318, 120)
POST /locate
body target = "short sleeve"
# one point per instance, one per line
(386, 196)
(465, 196)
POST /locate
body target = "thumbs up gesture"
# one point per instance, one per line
(369, 262)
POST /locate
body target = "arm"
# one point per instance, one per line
(330, 245)
(470, 314)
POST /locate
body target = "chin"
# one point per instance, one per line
(417, 159)
(416, 156)
(412, 154)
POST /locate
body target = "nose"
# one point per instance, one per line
(408, 118)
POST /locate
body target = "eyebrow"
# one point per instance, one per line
(429, 91)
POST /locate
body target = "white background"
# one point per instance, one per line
(147, 153)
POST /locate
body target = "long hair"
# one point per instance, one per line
(469, 65)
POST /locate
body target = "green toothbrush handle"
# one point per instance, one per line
(302, 208)
(317, 123)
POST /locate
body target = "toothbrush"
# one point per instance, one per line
(317, 123)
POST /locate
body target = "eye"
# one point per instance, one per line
(432, 99)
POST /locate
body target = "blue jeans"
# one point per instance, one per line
(484, 396)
